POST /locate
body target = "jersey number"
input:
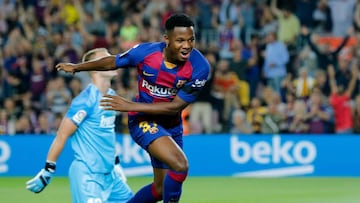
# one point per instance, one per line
(146, 126)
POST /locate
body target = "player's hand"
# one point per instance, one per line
(115, 103)
(66, 67)
(42, 179)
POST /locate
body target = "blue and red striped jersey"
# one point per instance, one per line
(160, 81)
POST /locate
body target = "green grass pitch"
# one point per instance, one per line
(211, 190)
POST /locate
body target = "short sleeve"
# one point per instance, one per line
(191, 89)
(80, 108)
(135, 55)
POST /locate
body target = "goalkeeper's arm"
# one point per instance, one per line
(42, 179)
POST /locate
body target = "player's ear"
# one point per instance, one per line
(166, 39)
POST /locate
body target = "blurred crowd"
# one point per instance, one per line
(278, 66)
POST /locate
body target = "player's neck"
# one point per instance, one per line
(103, 84)
(172, 61)
(167, 58)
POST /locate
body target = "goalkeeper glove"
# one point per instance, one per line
(42, 179)
(119, 170)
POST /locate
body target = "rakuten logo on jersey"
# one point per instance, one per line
(159, 91)
(274, 152)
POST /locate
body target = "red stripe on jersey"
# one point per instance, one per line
(154, 60)
(186, 70)
(165, 79)
(139, 68)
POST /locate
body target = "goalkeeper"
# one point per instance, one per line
(91, 131)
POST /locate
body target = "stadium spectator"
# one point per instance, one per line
(356, 21)
(128, 33)
(229, 13)
(208, 32)
(226, 35)
(240, 64)
(306, 58)
(303, 83)
(325, 56)
(58, 95)
(304, 10)
(287, 87)
(318, 114)
(227, 88)
(43, 124)
(275, 59)
(356, 115)
(322, 83)
(322, 17)
(23, 125)
(288, 31)
(297, 120)
(342, 15)
(255, 114)
(75, 86)
(247, 17)
(38, 81)
(114, 11)
(272, 120)
(239, 123)
(289, 25)
(251, 54)
(13, 110)
(267, 22)
(340, 100)
(7, 125)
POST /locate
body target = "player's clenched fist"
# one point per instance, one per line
(42, 179)
(66, 67)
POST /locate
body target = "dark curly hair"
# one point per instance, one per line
(178, 20)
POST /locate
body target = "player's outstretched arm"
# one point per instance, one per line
(42, 179)
(118, 103)
(102, 64)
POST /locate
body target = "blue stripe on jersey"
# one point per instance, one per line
(200, 74)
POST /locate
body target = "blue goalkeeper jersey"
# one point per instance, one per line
(94, 140)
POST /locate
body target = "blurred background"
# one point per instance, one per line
(284, 82)
(270, 61)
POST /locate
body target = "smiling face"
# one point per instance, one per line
(180, 42)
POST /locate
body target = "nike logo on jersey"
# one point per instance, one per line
(148, 74)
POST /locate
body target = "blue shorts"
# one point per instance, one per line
(145, 132)
(96, 187)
